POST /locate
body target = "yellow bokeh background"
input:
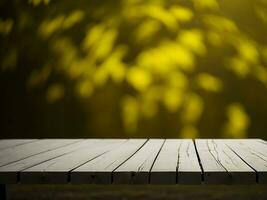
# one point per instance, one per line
(134, 68)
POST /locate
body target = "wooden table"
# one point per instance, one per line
(133, 161)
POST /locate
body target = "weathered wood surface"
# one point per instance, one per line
(8, 143)
(188, 168)
(134, 161)
(9, 173)
(254, 153)
(20, 152)
(100, 169)
(221, 165)
(57, 170)
(137, 168)
(165, 166)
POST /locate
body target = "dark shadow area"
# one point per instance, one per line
(145, 192)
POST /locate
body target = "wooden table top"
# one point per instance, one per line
(138, 161)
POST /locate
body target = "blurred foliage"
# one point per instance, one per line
(133, 68)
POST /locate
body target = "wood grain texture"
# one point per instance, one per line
(165, 166)
(188, 168)
(137, 168)
(8, 143)
(9, 173)
(100, 169)
(20, 152)
(254, 154)
(57, 170)
(221, 165)
(134, 161)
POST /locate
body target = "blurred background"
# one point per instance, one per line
(133, 68)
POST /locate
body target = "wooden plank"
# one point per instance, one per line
(57, 170)
(221, 165)
(255, 157)
(9, 173)
(164, 168)
(213, 171)
(100, 169)
(17, 153)
(134, 161)
(256, 145)
(137, 168)
(188, 169)
(263, 141)
(8, 143)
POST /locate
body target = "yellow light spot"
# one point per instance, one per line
(165, 17)
(238, 121)
(100, 76)
(74, 18)
(189, 132)
(118, 72)
(177, 80)
(169, 56)
(192, 109)
(93, 35)
(209, 82)
(239, 66)
(193, 40)
(114, 65)
(147, 30)
(139, 78)
(84, 88)
(54, 93)
(160, 66)
(182, 57)
(80, 68)
(130, 113)
(172, 99)
(220, 24)
(206, 4)
(182, 14)
(67, 51)
(104, 46)
(248, 51)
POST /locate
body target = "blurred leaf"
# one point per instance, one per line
(192, 109)
(193, 40)
(239, 66)
(209, 82)
(238, 121)
(130, 113)
(54, 93)
(182, 14)
(85, 88)
(139, 78)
